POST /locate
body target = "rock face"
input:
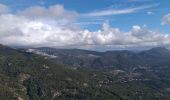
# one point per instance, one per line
(23, 77)
(55, 93)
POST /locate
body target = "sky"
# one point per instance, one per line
(86, 24)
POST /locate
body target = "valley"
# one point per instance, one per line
(31, 76)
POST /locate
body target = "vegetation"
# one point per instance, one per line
(26, 76)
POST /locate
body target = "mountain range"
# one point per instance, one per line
(73, 74)
(109, 59)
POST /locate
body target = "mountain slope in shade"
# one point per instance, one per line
(157, 52)
(92, 59)
(27, 76)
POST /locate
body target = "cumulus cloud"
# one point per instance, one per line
(55, 12)
(21, 31)
(166, 19)
(31, 28)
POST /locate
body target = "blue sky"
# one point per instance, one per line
(122, 21)
(85, 23)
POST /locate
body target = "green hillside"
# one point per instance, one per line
(26, 76)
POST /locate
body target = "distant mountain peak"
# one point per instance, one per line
(160, 49)
(157, 52)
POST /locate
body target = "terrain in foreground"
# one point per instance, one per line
(88, 75)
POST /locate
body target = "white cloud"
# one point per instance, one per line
(3, 8)
(55, 11)
(21, 31)
(87, 23)
(166, 19)
(150, 13)
(39, 26)
(109, 12)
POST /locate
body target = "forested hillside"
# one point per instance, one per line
(27, 76)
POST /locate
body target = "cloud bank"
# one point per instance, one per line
(39, 26)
